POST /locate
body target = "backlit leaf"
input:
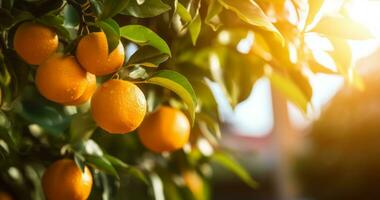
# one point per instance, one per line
(177, 83)
(144, 36)
(341, 27)
(250, 12)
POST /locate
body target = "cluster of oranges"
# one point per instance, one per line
(117, 106)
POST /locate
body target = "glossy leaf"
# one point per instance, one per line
(213, 11)
(229, 163)
(179, 85)
(57, 23)
(113, 7)
(116, 162)
(147, 9)
(341, 27)
(183, 13)
(195, 28)
(250, 12)
(147, 56)
(102, 164)
(144, 36)
(112, 31)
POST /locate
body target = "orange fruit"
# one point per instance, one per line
(92, 53)
(34, 42)
(118, 106)
(194, 182)
(63, 180)
(5, 196)
(166, 129)
(61, 79)
(87, 94)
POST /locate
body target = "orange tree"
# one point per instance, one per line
(78, 78)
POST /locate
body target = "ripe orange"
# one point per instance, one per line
(166, 129)
(118, 106)
(5, 196)
(87, 94)
(35, 42)
(62, 80)
(92, 53)
(63, 180)
(194, 182)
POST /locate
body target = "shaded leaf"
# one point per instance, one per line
(112, 30)
(144, 36)
(138, 174)
(82, 126)
(147, 56)
(56, 22)
(36, 109)
(147, 9)
(178, 84)
(113, 7)
(229, 163)
(342, 27)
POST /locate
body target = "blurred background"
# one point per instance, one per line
(332, 152)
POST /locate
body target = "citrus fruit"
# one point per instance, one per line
(61, 79)
(92, 53)
(87, 94)
(34, 42)
(166, 129)
(194, 182)
(118, 106)
(63, 180)
(5, 196)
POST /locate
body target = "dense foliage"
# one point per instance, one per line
(177, 51)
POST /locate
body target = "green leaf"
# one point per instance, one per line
(290, 89)
(71, 16)
(183, 13)
(82, 126)
(36, 109)
(113, 7)
(147, 56)
(314, 7)
(144, 36)
(342, 27)
(138, 174)
(6, 18)
(102, 164)
(148, 9)
(55, 21)
(178, 84)
(250, 12)
(195, 28)
(116, 162)
(228, 162)
(213, 11)
(112, 30)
